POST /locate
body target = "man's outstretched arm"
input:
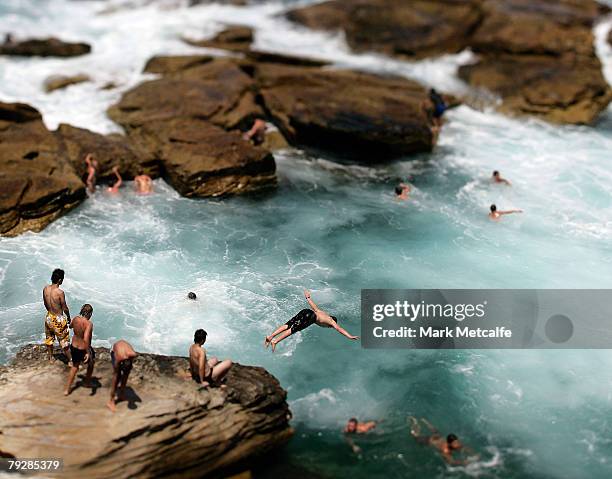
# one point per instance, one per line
(509, 212)
(310, 301)
(344, 332)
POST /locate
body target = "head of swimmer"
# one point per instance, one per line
(351, 425)
(192, 296)
(493, 208)
(453, 442)
(334, 318)
(86, 311)
(496, 174)
(57, 277)
(199, 337)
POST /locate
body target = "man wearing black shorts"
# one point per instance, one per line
(80, 348)
(302, 320)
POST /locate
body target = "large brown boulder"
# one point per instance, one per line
(37, 184)
(44, 47)
(414, 29)
(537, 55)
(183, 118)
(167, 424)
(364, 116)
(203, 160)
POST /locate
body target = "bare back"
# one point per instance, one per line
(123, 350)
(197, 356)
(54, 299)
(82, 333)
(324, 320)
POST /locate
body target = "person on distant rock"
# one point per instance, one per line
(92, 171)
(402, 191)
(192, 296)
(302, 320)
(355, 427)
(257, 133)
(122, 355)
(57, 318)
(8, 39)
(495, 214)
(114, 185)
(439, 107)
(498, 179)
(448, 446)
(80, 349)
(143, 184)
(205, 371)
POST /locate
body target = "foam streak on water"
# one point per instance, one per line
(334, 229)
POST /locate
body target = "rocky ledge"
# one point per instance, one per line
(166, 427)
(44, 47)
(362, 116)
(537, 55)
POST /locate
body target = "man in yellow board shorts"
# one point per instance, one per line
(57, 319)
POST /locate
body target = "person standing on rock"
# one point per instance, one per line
(57, 318)
(203, 371)
(143, 184)
(81, 349)
(92, 170)
(122, 355)
(302, 320)
(113, 186)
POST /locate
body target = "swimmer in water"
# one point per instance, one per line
(496, 215)
(302, 320)
(498, 179)
(355, 427)
(143, 184)
(113, 186)
(192, 296)
(402, 191)
(448, 447)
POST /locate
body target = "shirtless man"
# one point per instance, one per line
(113, 186)
(496, 215)
(302, 320)
(143, 184)
(122, 355)
(92, 170)
(498, 179)
(80, 348)
(446, 446)
(257, 133)
(203, 371)
(57, 318)
(402, 191)
(355, 427)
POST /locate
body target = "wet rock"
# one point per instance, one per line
(37, 184)
(236, 38)
(415, 29)
(44, 47)
(366, 117)
(182, 120)
(167, 423)
(109, 150)
(57, 82)
(536, 55)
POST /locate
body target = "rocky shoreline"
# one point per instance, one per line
(168, 426)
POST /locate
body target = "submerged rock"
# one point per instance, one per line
(167, 424)
(236, 38)
(37, 183)
(537, 55)
(57, 82)
(44, 47)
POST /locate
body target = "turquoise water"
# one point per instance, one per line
(336, 229)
